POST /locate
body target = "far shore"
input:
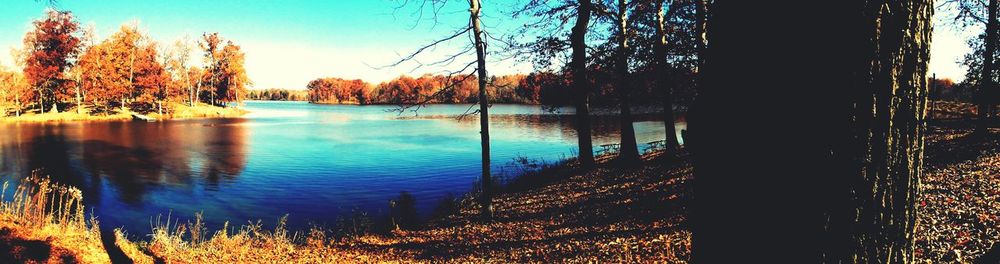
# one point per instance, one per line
(171, 111)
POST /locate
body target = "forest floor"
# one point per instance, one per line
(959, 206)
(608, 214)
(176, 111)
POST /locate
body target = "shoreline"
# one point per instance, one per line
(180, 112)
(657, 233)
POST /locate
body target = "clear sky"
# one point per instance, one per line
(289, 43)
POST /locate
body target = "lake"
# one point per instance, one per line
(314, 163)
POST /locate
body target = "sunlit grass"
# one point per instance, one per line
(174, 242)
(170, 111)
(41, 210)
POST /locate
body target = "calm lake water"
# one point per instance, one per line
(313, 162)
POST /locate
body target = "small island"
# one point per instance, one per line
(64, 73)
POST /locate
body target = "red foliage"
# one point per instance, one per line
(49, 48)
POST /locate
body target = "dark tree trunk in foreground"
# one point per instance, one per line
(701, 23)
(629, 150)
(581, 86)
(986, 84)
(484, 114)
(830, 171)
(660, 52)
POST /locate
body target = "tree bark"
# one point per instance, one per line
(701, 29)
(987, 85)
(629, 150)
(79, 102)
(484, 115)
(581, 85)
(660, 54)
(834, 177)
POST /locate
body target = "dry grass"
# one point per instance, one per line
(188, 243)
(171, 111)
(182, 111)
(44, 222)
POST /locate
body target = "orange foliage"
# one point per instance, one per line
(50, 47)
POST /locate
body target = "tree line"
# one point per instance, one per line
(277, 94)
(551, 88)
(63, 66)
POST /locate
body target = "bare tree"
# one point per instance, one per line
(581, 85)
(660, 61)
(548, 23)
(629, 150)
(478, 45)
(969, 13)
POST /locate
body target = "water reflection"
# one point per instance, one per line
(131, 157)
(316, 163)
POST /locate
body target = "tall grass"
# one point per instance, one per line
(174, 242)
(39, 209)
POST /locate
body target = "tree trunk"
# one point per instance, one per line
(79, 103)
(41, 102)
(834, 179)
(197, 93)
(484, 116)
(986, 84)
(701, 29)
(581, 85)
(660, 54)
(187, 81)
(629, 150)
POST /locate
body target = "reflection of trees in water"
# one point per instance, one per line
(605, 128)
(132, 157)
(225, 151)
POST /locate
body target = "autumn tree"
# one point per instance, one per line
(15, 93)
(835, 178)
(111, 66)
(51, 47)
(478, 47)
(177, 58)
(231, 81)
(210, 46)
(149, 85)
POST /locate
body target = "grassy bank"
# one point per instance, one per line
(171, 111)
(41, 221)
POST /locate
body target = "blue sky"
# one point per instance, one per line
(289, 43)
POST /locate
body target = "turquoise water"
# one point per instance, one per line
(313, 162)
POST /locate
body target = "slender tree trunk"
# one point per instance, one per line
(701, 29)
(41, 102)
(197, 92)
(581, 85)
(836, 180)
(79, 102)
(629, 150)
(660, 53)
(484, 116)
(987, 85)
